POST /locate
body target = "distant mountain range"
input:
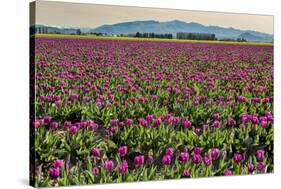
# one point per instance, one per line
(171, 27)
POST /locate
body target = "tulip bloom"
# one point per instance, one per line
(47, 119)
(184, 156)
(187, 124)
(251, 168)
(260, 155)
(216, 116)
(228, 173)
(95, 170)
(207, 160)
(169, 151)
(122, 150)
(139, 160)
(143, 122)
(197, 150)
(123, 167)
(73, 129)
(96, 152)
(54, 172)
(215, 153)
(108, 165)
(197, 158)
(54, 125)
(260, 166)
(237, 157)
(129, 122)
(114, 122)
(166, 160)
(216, 124)
(185, 173)
(58, 163)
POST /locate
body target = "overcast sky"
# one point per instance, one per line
(93, 15)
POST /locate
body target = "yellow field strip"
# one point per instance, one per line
(147, 39)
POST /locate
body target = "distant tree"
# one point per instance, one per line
(78, 32)
(151, 35)
(138, 34)
(241, 40)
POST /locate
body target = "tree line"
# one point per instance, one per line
(196, 36)
(179, 35)
(154, 35)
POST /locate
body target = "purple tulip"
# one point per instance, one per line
(121, 124)
(69, 103)
(54, 125)
(96, 152)
(185, 173)
(230, 121)
(122, 150)
(251, 168)
(73, 129)
(139, 160)
(176, 120)
(58, 163)
(47, 119)
(216, 116)
(73, 96)
(36, 123)
(149, 118)
(255, 119)
(260, 166)
(129, 122)
(187, 124)
(207, 160)
(157, 121)
(215, 153)
(123, 167)
(169, 151)
(114, 122)
(143, 122)
(108, 165)
(263, 124)
(216, 124)
(184, 157)
(166, 160)
(237, 157)
(267, 114)
(67, 124)
(54, 172)
(95, 171)
(244, 118)
(197, 158)
(227, 173)
(113, 129)
(260, 155)
(197, 150)
(270, 118)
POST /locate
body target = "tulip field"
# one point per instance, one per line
(110, 110)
